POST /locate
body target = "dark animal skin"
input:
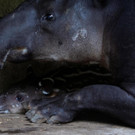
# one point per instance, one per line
(17, 100)
(76, 31)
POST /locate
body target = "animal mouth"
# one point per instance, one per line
(15, 55)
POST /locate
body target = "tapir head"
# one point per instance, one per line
(55, 30)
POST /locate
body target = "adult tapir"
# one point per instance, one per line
(77, 31)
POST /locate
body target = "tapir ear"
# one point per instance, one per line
(100, 3)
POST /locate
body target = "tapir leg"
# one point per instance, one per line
(105, 98)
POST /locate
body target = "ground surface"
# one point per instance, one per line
(18, 125)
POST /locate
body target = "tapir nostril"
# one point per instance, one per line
(25, 51)
(19, 54)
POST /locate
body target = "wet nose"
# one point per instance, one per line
(20, 54)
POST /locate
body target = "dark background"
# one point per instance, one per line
(6, 6)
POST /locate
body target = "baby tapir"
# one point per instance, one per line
(17, 99)
(76, 31)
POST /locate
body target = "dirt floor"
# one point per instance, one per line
(19, 125)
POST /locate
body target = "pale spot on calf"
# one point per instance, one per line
(6, 111)
(78, 98)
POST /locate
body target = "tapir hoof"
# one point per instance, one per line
(50, 110)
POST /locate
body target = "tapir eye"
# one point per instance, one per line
(48, 17)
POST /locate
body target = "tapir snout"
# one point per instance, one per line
(52, 33)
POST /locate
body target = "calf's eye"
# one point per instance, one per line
(19, 98)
